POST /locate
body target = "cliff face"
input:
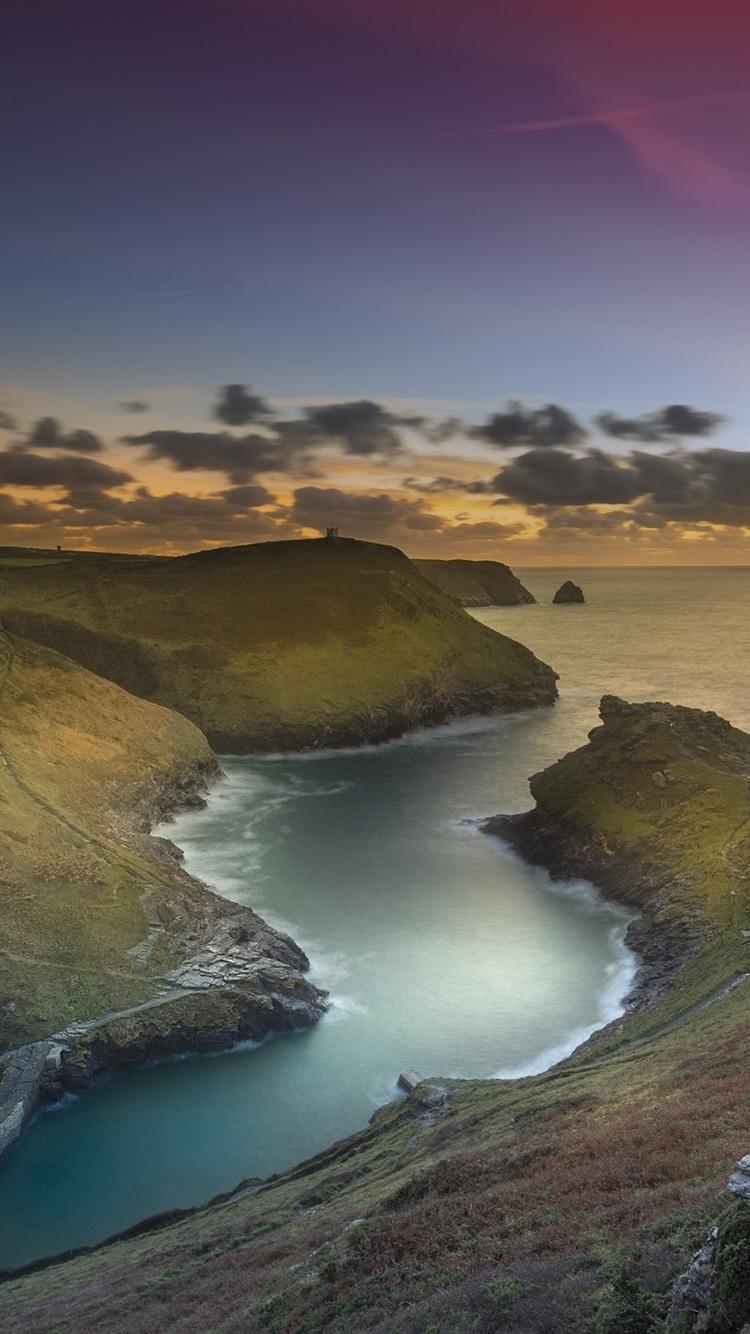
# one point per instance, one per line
(656, 811)
(282, 645)
(97, 917)
(476, 583)
(566, 1202)
(657, 787)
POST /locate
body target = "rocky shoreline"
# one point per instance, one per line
(628, 812)
(228, 977)
(433, 708)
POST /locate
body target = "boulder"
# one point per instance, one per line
(569, 592)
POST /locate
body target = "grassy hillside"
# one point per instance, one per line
(94, 912)
(283, 644)
(476, 583)
(561, 1203)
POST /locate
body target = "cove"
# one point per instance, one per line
(442, 951)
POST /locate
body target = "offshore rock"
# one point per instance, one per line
(569, 592)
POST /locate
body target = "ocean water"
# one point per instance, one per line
(443, 952)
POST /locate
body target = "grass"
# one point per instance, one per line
(281, 644)
(80, 763)
(563, 1202)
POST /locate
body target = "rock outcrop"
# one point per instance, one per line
(569, 592)
(280, 645)
(110, 952)
(713, 1293)
(628, 811)
(476, 583)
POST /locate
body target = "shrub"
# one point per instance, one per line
(503, 1290)
(625, 1306)
(732, 1276)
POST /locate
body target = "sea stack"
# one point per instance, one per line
(569, 592)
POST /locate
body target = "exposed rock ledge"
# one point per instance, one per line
(628, 812)
(233, 978)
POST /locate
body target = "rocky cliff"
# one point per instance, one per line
(281, 645)
(109, 951)
(476, 583)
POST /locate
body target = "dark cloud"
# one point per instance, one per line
(134, 405)
(551, 477)
(535, 427)
(240, 457)
(714, 488)
(7, 423)
(238, 406)
(434, 486)
(177, 518)
(440, 431)
(19, 468)
(669, 423)
(581, 519)
(360, 427)
(22, 511)
(48, 433)
(706, 486)
(247, 497)
(482, 532)
(318, 507)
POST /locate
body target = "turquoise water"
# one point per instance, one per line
(441, 950)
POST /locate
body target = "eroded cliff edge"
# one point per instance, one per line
(110, 953)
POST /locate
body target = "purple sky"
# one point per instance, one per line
(445, 205)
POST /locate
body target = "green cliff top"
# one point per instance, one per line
(276, 645)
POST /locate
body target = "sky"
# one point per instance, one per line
(476, 274)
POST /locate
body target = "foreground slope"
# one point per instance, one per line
(476, 583)
(277, 645)
(96, 916)
(561, 1203)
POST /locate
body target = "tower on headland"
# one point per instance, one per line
(332, 534)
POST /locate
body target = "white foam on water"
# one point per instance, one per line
(62, 1103)
(620, 975)
(455, 731)
(343, 1007)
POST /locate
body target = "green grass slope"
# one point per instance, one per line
(476, 583)
(73, 749)
(661, 787)
(277, 645)
(562, 1203)
(94, 912)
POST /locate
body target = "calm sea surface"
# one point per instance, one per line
(442, 951)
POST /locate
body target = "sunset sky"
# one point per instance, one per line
(482, 267)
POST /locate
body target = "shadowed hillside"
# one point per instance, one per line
(476, 583)
(561, 1203)
(97, 916)
(277, 645)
